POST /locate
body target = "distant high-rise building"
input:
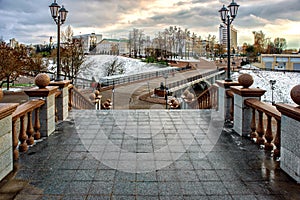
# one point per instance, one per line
(223, 36)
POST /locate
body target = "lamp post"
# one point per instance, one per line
(272, 82)
(59, 15)
(166, 95)
(227, 16)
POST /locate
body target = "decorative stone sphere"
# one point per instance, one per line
(186, 92)
(42, 80)
(175, 103)
(1, 94)
(190, 96)
(246, 80)
(295, 94)
(106, 104)
(92, 96)
(97, 93)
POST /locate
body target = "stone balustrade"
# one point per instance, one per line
(24, 131)
(209, 98)
(78, 101)
(22, 125)
(255, 119)
(267, 138)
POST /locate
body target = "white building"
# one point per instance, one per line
(112, 47)
(89, 41)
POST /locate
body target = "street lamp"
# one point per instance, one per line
(227, 20)
(272, 82)
(59, 15)
(166, 95)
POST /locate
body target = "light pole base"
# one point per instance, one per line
(228, 80)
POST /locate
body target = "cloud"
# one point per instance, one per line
(31, 22)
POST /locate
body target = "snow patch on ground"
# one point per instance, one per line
(96, 65)
(285, 81)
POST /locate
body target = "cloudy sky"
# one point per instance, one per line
(31, 22)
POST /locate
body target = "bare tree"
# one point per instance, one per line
(72, 54)
(259, 42)
(114, 67)
(280, 44)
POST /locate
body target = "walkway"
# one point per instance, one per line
(127, 95)
(146, 154)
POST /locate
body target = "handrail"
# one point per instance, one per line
(209, 98)
(79, 101)
(264, 137)
(27, 133)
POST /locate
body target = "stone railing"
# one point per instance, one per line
(21, 125)
(274, 127)
(267, 138)
(77, 100)
(24, 131)
(209, 98)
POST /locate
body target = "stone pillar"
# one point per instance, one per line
(6, 144)
(290, 137)
(47, 112)
(242, 114)
(62, 100)
(224, 102)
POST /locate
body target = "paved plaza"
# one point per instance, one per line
(146, 154)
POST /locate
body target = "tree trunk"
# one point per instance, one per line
(7, 83)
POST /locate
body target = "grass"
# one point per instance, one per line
(18, 85)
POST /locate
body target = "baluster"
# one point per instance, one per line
(260, 129)
(268, 134)
(56, 113)
(208, 101)
(210, 96)
(37, 124)
(201, 102)
(277, 139)
(23, 136)
(30, 129)
(15, 140)
(253, 134)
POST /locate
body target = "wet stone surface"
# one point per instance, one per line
(146, 155)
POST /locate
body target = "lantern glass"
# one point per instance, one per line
(54, 7)
(233, 8)
(223, 12)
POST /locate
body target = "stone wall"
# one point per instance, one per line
(6, 154)
(290, 147)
